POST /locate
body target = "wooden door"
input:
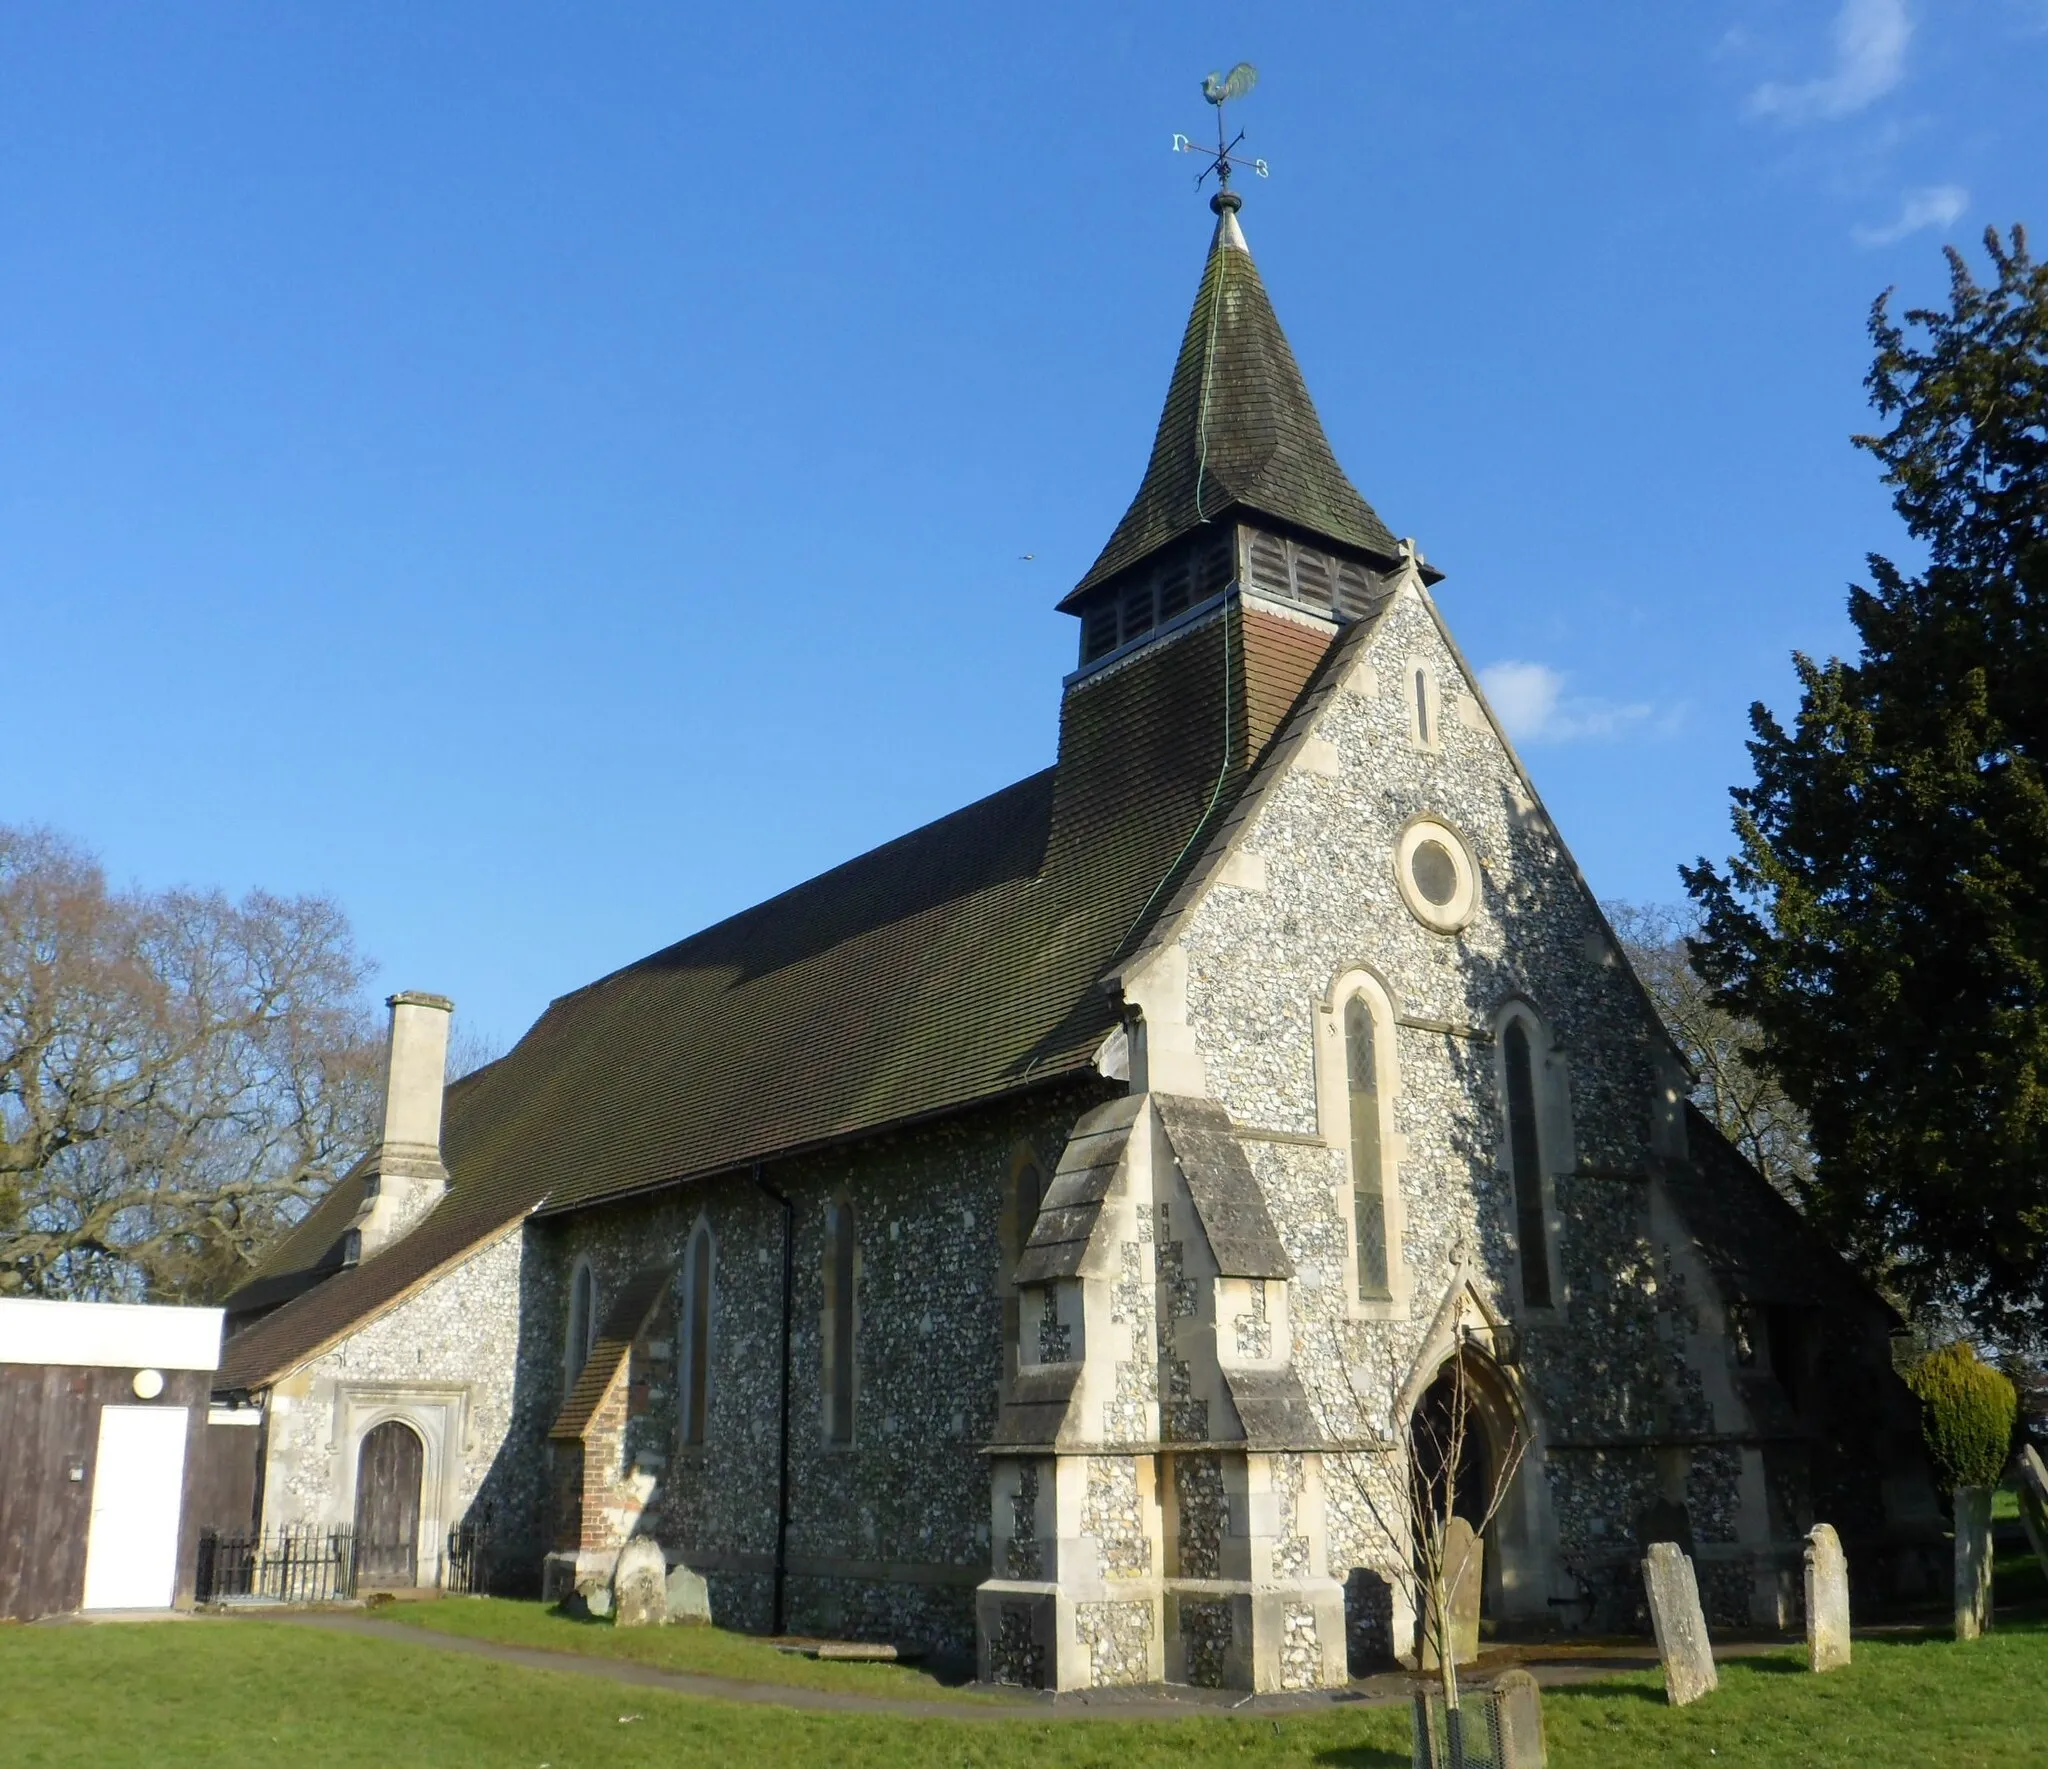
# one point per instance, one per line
(388, 1506)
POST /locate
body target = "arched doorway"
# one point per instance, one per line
(388, 1505)
(1451, 1452)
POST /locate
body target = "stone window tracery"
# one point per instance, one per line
(1425, 707)
(1358, 1083)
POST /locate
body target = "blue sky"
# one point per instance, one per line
(549, 477)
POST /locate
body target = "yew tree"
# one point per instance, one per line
(1883, 925)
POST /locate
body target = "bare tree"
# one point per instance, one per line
(179, 1075)
(470, 1050)
(1413, 1512)
(1741, 1096)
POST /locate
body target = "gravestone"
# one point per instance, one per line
(1515, 1722)
(1681, 1628)
(689, 1597)
(2033, 1485)
(1827, 1600)
(1973, 1561)
(1464, 1580)
(640, 1585)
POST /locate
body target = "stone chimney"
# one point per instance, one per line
(406, 1178)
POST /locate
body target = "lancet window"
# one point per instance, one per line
(1525, 1161)
(841, 1323)
(582, 1330)
(1368, 1164)
(694, 1364)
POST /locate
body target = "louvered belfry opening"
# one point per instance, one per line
(1157, 592)
(1241, 489)
(1187, 573)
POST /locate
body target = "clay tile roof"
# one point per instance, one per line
(281, 1340)
(1755, 1242)
(954, 965)
(1239, 431)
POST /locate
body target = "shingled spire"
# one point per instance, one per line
(1239, 437)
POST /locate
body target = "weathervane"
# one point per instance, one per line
(1219, 90)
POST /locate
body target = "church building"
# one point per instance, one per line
(1047, 1235)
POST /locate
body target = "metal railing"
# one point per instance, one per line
(470, 1560)
(295, 1563)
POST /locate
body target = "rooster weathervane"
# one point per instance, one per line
(1219, 90)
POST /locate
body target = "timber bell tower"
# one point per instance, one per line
(1242, 486)
(1157, 1499)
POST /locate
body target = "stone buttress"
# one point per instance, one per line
(1156, 1490)
(604, 1466)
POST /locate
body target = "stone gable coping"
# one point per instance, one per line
(250, 1372)
(1226, 1196)
(623, 1321)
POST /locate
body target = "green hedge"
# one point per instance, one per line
(1967, 1411)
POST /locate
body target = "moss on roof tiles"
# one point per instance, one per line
(956, 964)
(1239, 431)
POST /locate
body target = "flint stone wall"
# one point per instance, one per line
(888, 1537)
(445, 1361)
(1261, 961)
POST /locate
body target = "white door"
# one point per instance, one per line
(138, 1483)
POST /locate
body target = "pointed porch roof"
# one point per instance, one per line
(1239, 430)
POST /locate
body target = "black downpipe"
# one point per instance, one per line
(781, 1622)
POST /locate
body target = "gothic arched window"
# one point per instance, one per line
(696, 1347)
(582, 1333)
(1368, 1167)
(841, 1322)
(1525, 1163)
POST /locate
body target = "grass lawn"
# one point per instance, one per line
(259, 1693)
(709, 1652)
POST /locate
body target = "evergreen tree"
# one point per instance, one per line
(1884, 925)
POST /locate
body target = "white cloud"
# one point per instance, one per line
(1935, 205)
(1531, 701)
(1870, 59)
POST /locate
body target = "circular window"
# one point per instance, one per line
(1434, 869)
